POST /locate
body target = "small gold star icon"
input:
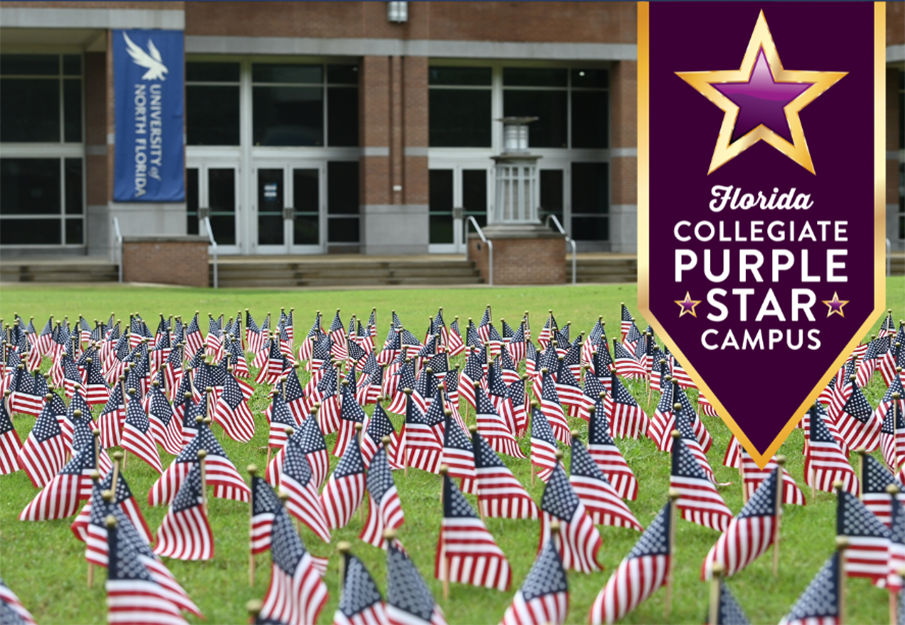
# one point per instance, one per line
(687, 306)
(835, 305)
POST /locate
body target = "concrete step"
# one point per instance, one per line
(590, 270)
(74, 271)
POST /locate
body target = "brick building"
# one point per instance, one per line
(340, 127)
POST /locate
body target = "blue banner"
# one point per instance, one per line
(148, 92)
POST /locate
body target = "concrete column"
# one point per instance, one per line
(893, 128)
(624, 161)
(97, 226)
(393, 216)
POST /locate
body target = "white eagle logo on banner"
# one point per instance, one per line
(153, 61)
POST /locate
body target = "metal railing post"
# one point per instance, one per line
(488, 242)
(210, 236)
(119, 246)
(569, 242)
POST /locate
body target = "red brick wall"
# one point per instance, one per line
(96, 125)
(161, 262)
(591, 22)
(521, 261)
(415, 118)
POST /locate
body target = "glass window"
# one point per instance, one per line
(221, 193)
(535, 77)
(30, 231)
(29, 64)
(211, 72)
(550, 107)
(30, 110)
(551, 193)
(74, 196)
(30, 186)
(288, 116)
(460, 76)
(306, 201)
(72, 65)
(590, 119)
(342, 117)
(74, 234)
(72, 111)
(270, 206)
(590, 78)
(441, 205)
(191, 200)
(474, 194)
(212, 115)
(590, 201)
(287, 74)
(342, 202)
(342, 74)
(460, 118)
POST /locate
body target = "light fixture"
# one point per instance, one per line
(398, 12)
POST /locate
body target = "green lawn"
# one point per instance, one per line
(44, 564)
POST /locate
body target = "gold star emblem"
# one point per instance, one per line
(687, 306)
(761, 85)
(835, 305)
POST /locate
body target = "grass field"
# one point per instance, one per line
(44, 564)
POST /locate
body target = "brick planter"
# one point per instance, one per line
(171, 259)
(536, 260)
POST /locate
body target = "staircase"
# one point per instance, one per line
(897, 264)
(604, 268)
(78, 269)
(344, 271)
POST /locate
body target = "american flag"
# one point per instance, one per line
(466, 551)
(112, 417)
(824, 461)
(60, 497)
(455, 345)
(43, 454)
(137, 435)
(493, 428)
(875, 479)
(280, 419)
(314, 335)
(124, 500)
(631, 340)
(253, 337)
(133, 595)
(221, 473)
(896, 560)
(232, 413)
(601, 500)
(458, 456)
(639, 575)
(409, 600)
(728, 611)
(892, 431)
(297, 594)
(664, 420)
(699, 501)
(697, 424)
(484, 325)
(627, 321)
(543, 445)
(570, 393)
(473, 372)
(420, 445)
(350, 413)
(11, 609)
(360, 602)
(857, 423)
(603, 450)
(297, 481)
(753, 475)
(552, 409)
(683, 427)
(265, 505)
(543, 598)
(166, 429)
(337, 334)
(868, 539)
(405, 379)
(579, 539)
(96, 391)
(384, 509)
(344, 491)
(293, 394)
(9, 443)
(820, 603)
(376, 427)
(518, 400)
(626, 417)
(749, 534)
(311, 440)
(500, 495)
(516, 344)
(498, 393)
(185, 533)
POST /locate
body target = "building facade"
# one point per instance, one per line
(341, 127)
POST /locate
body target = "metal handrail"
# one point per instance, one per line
(568, 241)
(119, 241)
(210, 236)
(471, 220)
(888, 258)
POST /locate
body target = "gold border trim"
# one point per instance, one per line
(879, 215)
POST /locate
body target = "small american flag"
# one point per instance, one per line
(601, 500)
(892, 430)
(603, 450)
(857, 423)
(543, 598)
(43, 454)
(493, 428)
(639, 575)
(297, 481)
(749, 534)
(384, 509)
(824, 461)
(664, 420)
(133, 595)
(500, 495)
(60, 497)
(625, 415)
(466, 551)
(280, 419)
(455, 345)
(473, 372)
(868, 539)
(458, 455)
(166, 429)
(112, 417)
(896, 561)
(124, 501)
(231, 411)
(699, 501)
(419, 445)
(543, 445)
(820, 603)
(350, 413)
(552, 409)
(297, 594)
(11, 609)
(579, 539)
(376, 427)
(626, 322)
(409, 600)
(498, 393)
(185, 533)
(265, 505)
(344, 491)
(137, 435)
(874, 481)
(360, 602)
(753, 476)
(9, 443)
(337, 334)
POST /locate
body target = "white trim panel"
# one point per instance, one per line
(30, 17)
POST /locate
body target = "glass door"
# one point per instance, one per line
(270, 183)
(289, 209)
(212, 190)
(305, 228)
(456, 193)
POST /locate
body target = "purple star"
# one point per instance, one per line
(761, 100)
